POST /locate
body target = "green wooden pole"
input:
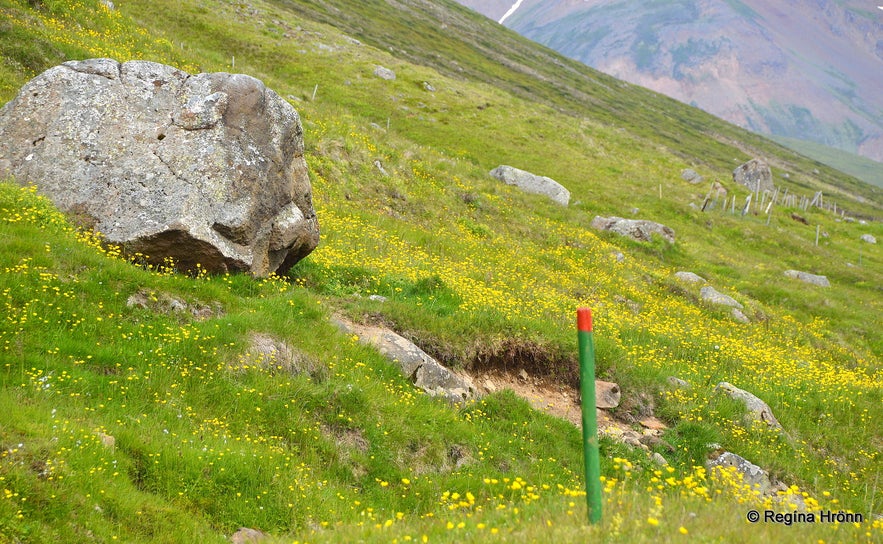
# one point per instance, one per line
(591, 453)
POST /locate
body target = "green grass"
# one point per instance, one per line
(478, 274)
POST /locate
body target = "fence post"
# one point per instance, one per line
(591, 453)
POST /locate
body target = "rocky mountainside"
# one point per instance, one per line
(806, 69)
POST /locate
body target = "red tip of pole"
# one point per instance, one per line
(584, 319)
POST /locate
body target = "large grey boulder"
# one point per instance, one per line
(806, 277)
(754, 174)
(532, 183)
(205, 168)
(422, 369)
(637, 229)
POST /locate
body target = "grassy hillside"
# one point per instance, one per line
(855, 165)
(207, 439)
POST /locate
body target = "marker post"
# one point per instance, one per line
(591, 452)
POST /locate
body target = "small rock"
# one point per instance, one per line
(712, 295)
(247, 536)
(752, 474)
(658, 459)
(677, 382)
(619, 256)
(377, 298)
(653, 423)
(689, 277)
(607, 394)
(691, 176)
(428, 87)
(806, 277)
(635, 307)
(384, 73)
(757, 409)
(869, 238)
(381, 169)
(631, 438)
(739, 316)
(637, 229)
(522, 374)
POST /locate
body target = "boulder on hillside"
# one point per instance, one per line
(689, 277)
(384, 73)
(754, 174)
(206, 169)
(712, 295)
(637, 229)
(758, 410)
(691, 176)
(869, 238)
(423, 370)
(806, 277)
(752, 475)
(532, 183)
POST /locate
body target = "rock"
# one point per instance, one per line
(423, 371)
(274, 355)
(690, 175)
(531, 183)
(652, 423)
(166, 303)
(752, 474)
(758, 410)
(619, 257)
(247, 536)
(712, 295)
(607, 395)
(108, 4)
(806, 277)
(677, 382)
(632, 305)
(869, 238)
(739, 316)
(637, 229)
(754, 174)
(205, 168)
(377, 298)
(658, 459)
(380, 168)
(689, 277)
(384, 73)
(428, 87)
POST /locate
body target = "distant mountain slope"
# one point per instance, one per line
(806, 69)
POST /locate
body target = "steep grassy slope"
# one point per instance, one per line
(480, 275)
